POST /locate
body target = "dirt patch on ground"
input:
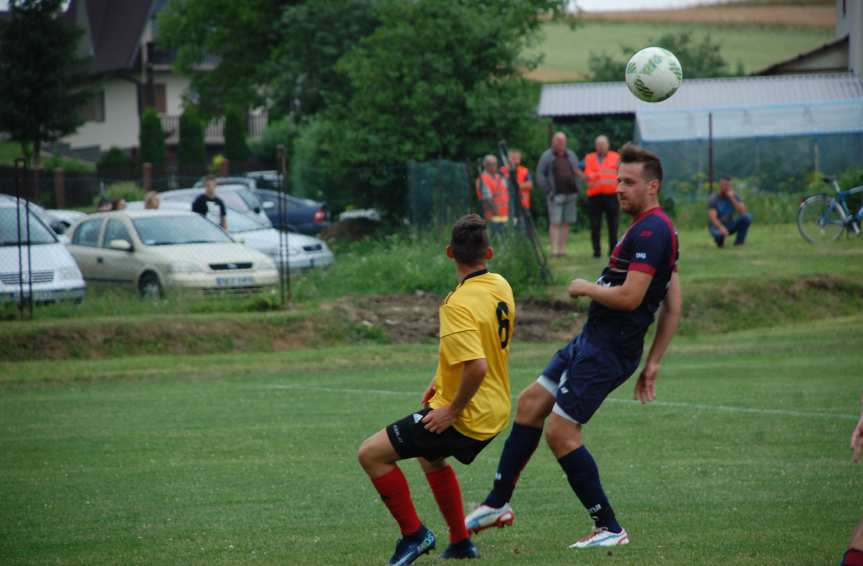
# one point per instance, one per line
(798, 16)
(413, 318)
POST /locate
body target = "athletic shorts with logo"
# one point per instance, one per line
(411, 439)
(582, 374)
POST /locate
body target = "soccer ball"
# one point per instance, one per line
(653, 74)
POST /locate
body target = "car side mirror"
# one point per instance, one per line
(257, 210)
(120, 245)
(268, 204)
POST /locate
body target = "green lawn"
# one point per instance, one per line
(566, 50)
(232, 458)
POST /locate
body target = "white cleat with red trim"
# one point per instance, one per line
(485, 517)
(602, 537)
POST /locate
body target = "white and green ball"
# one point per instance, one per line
(653, 74)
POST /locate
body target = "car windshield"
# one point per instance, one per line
(9, 219)
(176, 230)
(239, 222)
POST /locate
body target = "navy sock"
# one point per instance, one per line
(519, 447)
(583, 476)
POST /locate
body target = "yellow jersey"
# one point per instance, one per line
(477, 320)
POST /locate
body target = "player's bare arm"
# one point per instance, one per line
(472, 375)
(624, 297)
(737, 203)
(714, 219)
(669, 318)
(857, 437)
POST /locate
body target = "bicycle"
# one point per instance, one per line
(824, 217)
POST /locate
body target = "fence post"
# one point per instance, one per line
(225, 167)
(35, 191)
(147, 176)
(59, 188)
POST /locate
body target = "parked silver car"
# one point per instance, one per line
(55, 275)
(301, 252)
(156, 250)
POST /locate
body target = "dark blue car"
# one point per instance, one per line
(296, 214)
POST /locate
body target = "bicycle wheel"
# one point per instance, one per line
(820, 219)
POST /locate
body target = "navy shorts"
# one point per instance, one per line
(410, 439)
(582, 374)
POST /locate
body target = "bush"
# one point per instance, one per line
(126, 190)
(191, 154)
(115, 158)
(71, 165)
(236, 149)
(152, 138)
(282, 131)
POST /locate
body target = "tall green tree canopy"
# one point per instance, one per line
(41, 75)
(276, 52)
(699, 59)
(437, 79)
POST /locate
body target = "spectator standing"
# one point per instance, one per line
(492, 192)
(720, 213)
(151, 202)
(557, 173)
(522, 183)
(201, 204)
(600, 168)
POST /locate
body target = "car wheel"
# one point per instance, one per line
(149, 286)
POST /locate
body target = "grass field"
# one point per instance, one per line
(567, 50)
(229, 459)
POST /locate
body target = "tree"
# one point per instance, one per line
(236, 149)
(281, 53)
(152, 138)
(699, 60)
(41, 74)
(191, 154)
(437, 79)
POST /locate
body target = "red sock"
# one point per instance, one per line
(396, 494)
(447, 493)
(853, 557)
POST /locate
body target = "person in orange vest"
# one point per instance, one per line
(522, 179)
(492, 192)
(600, 168)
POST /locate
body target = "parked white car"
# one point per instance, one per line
(158, 250)
(55, 275)
(301, 251)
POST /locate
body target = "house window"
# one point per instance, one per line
(93, 110)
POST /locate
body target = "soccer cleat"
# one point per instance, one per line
(602, 537)
(461, 550)
(410, 548)
(485, 517)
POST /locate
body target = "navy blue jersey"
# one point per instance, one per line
(649, 246)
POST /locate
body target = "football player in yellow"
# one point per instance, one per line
(465, 406)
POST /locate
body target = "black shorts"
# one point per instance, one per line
(410, 439)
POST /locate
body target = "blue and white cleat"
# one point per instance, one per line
(485, 517)
(602, 537)
(410, 548)
(461, 550)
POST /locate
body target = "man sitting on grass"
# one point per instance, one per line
(465, 406)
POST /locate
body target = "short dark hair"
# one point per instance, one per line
(209, 177)
(725, 178)
(651, 165)
(469, 240)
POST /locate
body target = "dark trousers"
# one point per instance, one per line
(596, 207)
(739, 226)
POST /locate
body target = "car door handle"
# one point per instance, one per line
(98, 260)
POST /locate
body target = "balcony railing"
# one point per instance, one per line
(214, 133)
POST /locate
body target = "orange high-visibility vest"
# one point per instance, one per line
(601, 177)
(522, 177)
(496, 208)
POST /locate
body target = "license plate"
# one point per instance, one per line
(235, 281)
